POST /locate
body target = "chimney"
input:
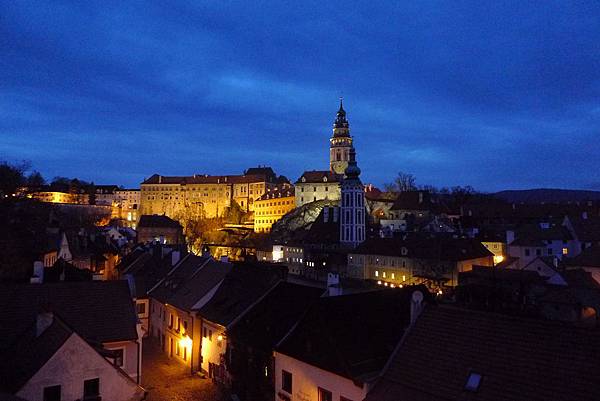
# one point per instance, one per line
(510, 236)
(333, 284)
(43, 321)
(416, 306)
(38, 273)
(175, 256)
(224, 259)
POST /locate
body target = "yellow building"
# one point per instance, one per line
(498, 248)
(60, 197)
(271, 207)
(204, 196)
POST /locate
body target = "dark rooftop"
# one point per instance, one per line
(518, 359)
(265, 324)
(155, 220)
(351, 335)
(100, 311)
(243, 286)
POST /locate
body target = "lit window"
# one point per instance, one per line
(565, 251)
(384, 274)
(376, 273)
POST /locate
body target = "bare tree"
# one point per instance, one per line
(402, 183)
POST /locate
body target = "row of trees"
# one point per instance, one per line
(405, 182)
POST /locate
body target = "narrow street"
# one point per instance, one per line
(167, 380)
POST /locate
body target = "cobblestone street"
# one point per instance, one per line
(167, 380)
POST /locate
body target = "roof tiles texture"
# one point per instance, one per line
(100, 311)
(519, 359)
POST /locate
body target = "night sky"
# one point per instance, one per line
(477, 93)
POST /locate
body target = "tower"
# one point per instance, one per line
(352, 205)
(340, 143)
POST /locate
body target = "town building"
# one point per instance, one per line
(272, 206)
(128, 202)
(252, 337)
(204, 195)
(460, 354)
(174, 301)
(317, 185)
(414, 259)
(162, 229)
(243, 286)
(340, 346)
(143, 268)
(70, 340)
(52, 362)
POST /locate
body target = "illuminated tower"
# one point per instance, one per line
(340, 143)
(352, 205)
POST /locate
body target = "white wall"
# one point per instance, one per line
(130, 357)
(212, 348)
(309, 194)
(75, 362)
(306, 379)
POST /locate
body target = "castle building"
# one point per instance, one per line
(340, 143)
(272, 206)
(317, 185)
(204, 195)
(352, 205)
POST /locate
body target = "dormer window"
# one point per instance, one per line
(324, 179)
(473, 382)
(303, 179)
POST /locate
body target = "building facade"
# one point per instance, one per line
(317, 185)
(272, 206)
(204, 196)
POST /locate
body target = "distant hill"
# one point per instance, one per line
(547, 195)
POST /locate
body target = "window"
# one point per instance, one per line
(118, 357)
(141, 308)
(325, 395)
(170, 320)
(376, 273)
(473, 382)
(209, 335)
(52, 393)
(286, 381)
(538, 252)
(185, 326)
(565, 251)
(178, 324)
(204, 332)
(527, 252)
(91, 389)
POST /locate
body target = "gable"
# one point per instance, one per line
(77, 361)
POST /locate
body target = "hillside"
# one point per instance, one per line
(547, 195)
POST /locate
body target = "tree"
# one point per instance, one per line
(35, 180)
(402, 183)
(11, 177)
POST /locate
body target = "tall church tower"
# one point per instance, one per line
(340, 143)
(352, 205)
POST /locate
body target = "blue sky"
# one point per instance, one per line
(490, 94)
